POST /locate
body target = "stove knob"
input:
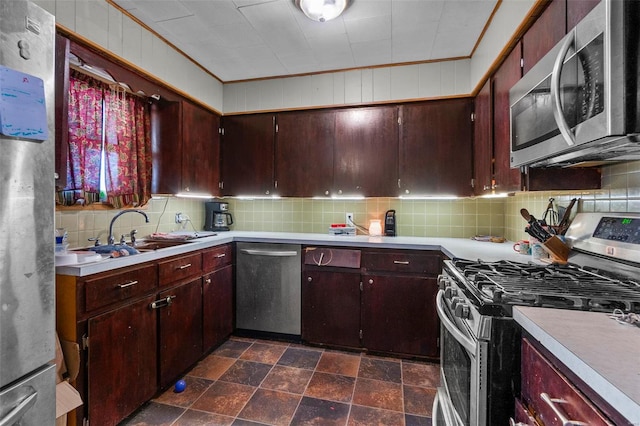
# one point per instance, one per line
(443, 282)
(455, 301)
(462, 311)
(450, 292)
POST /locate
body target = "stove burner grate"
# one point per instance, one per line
(563, 286)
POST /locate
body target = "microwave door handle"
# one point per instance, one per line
(469, 345)
(563, 126)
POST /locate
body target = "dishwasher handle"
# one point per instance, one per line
(271, 253)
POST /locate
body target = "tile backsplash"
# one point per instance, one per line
(620, 192)
(461, 218)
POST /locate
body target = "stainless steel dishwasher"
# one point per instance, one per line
(268, 287)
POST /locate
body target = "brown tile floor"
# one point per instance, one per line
(258, 382)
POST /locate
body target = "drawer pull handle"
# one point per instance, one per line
(162, 302)
(552, 403)
(129, 284)
(401, 262)
(221, 255)
(188, 265)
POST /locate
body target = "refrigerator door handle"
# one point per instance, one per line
(19, 411)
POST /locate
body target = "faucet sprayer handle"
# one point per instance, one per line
(96, 239)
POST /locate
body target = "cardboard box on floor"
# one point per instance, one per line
(67, 367)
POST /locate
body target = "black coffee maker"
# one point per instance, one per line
(217, 216)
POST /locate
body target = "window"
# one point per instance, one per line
(109, 141)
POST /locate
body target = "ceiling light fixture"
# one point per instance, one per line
(322, 10)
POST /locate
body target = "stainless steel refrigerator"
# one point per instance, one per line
(27, 275)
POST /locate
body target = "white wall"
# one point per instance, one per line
(101, 23)
(370, 85)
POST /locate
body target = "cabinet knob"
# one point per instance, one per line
(370, 281)
(406, 191)
(266, 192)
(340, 191)
(187, 189)
(326, 192)
(309, 279)
(207, 281)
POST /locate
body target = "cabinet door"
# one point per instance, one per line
(180, 323)
(540, 377)
(121, 362)
(304, 153)
(435, 148)
(366, 152)
(578, 9)
(217, 306)
(247, 154)
(166, 138)
(331, 308)
(483, 141)
(399, 316)
(200, 150)
(506, 178)
(544, 34)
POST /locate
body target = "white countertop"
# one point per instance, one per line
(602, 352)
(452, 247)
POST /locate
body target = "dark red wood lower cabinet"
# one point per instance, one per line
(331, 308)
(398, 314)
(541, 380)
(180, 333)
(217, 306)
(121, 361)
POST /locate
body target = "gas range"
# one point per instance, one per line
(480, 341)
(603, 272)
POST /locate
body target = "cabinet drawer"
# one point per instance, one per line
(401, 261)
(216, 258)
(540, 377)
(333, 257)
(119, 286)
(178, 268)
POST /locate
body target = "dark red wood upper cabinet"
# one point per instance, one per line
(186, 148)
(366, 151)
(166, 137)
(544, 34)
(436, 148)
(578, 9)
(200, 150)
(304, 153)
(483, 141)
(506, 178)
(248, 154)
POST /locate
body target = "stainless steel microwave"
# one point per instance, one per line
(581, 102)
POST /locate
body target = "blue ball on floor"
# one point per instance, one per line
(180, 386)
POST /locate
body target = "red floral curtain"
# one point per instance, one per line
(128, 149)
(85, 138)
(127, 127)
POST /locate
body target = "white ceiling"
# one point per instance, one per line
(249, 39)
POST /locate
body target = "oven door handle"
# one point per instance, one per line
(467, 343)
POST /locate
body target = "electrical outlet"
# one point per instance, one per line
(349, 218)
(179, 218)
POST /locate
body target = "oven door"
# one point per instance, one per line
(461, 399)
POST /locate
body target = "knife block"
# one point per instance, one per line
(556, 249)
